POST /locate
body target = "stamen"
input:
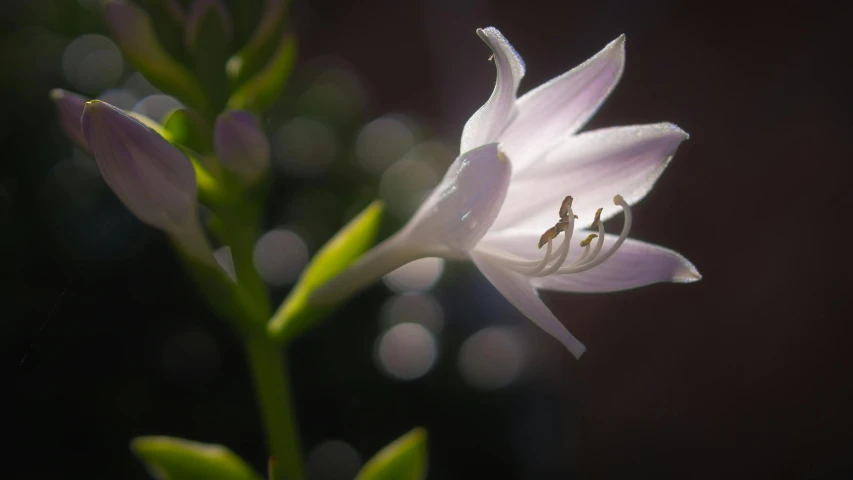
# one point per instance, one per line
(597, 221)
(565, 207)
(585, 242)
(553, 261)
(549, 235)
(596, 260)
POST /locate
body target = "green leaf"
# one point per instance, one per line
(260, 91)
(404, 459)
(257, 51)
(189, 128)
(169, 458)
(296, 314)
(132, 29)
(167, 18)
(209, 45)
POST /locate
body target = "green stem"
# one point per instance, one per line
(272, 384)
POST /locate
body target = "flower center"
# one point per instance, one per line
(554, 261)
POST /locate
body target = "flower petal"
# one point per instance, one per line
(462, 208)
(519, 291)
(591, 167)
(488, 122)
(562, 105)
(70, 107)
(634, 264)
(150, 176)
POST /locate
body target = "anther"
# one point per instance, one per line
(597, 220)
(586, 241)
(565, 207)
(549, 235)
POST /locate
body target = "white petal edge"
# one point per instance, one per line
(562, 105)
(464, 205)
(450, 222)
(635, 264)
(488, 122)
(592, 167)
(520, 292)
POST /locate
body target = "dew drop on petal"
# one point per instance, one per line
(406, 351)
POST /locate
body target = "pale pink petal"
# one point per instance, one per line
(448, 224)
(634, 264)
(151, 177)
(462, 208)
(592, 167)
(563, 105)
(70, 108)
(522, 295)
(488, 122)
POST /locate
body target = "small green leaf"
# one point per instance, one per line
(262, 89)
(189, 128)
(296, 315)
(260, 47)
(404, 459)
(169, 458)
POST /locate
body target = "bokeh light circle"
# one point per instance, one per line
(92, 63)
(406, 351)
(417, 276)
(279, 256)
(491, 358)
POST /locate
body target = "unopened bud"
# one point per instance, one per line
(241, 145)
(70, 108)
(148, 174)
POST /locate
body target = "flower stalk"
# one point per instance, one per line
(267, 361)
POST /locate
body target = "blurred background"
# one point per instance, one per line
(745, 374)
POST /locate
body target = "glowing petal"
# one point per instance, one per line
(488, 122)
(519, 291)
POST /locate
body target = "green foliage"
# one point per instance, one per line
(297, 314)
(187, 127)
(260, 46)
(169, 458)
(261, 90)
(209, 51)
(133, 30)
(404, 459)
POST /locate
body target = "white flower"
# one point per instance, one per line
(524, 171)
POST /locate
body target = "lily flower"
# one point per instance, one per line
(148, 174)
(523, 171)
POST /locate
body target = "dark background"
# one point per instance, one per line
(745, 374)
